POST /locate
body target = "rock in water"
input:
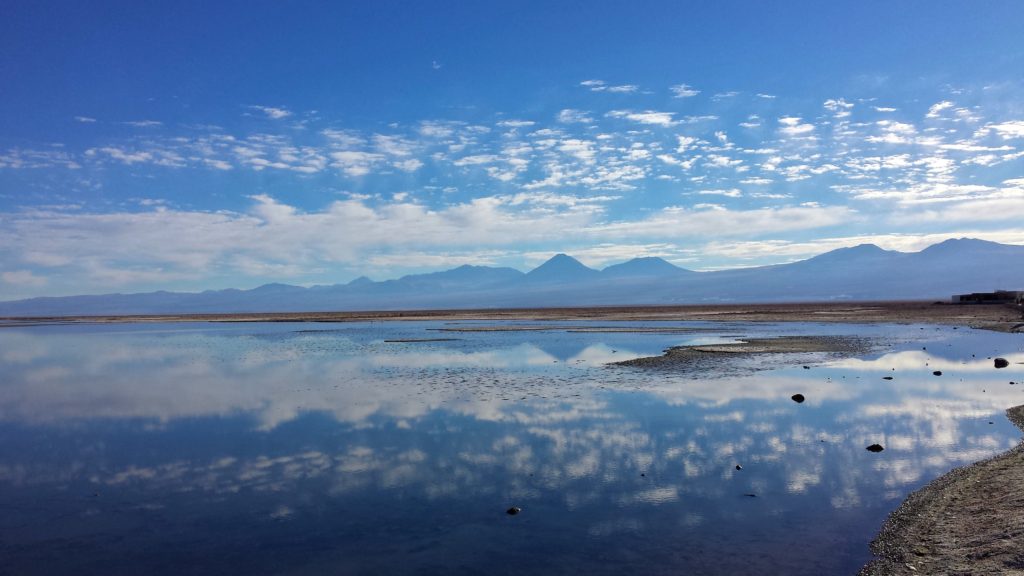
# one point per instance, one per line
(1002, 362)
(513, 511)
(937, 373)
(886, 377)
(738, 467)
(875, 448)
(798, 398)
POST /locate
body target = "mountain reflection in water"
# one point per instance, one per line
(276, 448)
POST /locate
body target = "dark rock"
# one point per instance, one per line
(738, 467)
(886, 377)
(513, 511)
(807, 367)
(937, 373)
(1001, 362)
(875, 448)
(750, 495)
(798, 398)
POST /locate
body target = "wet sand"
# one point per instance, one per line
(749, 346)
(766, 353)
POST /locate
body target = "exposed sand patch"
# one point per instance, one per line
(701, 356)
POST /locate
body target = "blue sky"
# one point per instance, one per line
(196, 145)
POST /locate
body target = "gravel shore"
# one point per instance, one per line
(969, 521)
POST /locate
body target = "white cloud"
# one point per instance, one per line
(683, 91)
(645, 117)
(436, 129)
(272, 112)
(355, 163)
(144, 123)
(1005, 130)
(839, 107)
(23, 278)
(158, 157)
(935, 111)
(516, 123)
(85, 119)
(602, 86)
(571, 116)
(792, 126)
(410, 165)
(678, 222)
(730, 193)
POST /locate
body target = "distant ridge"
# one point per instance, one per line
(864, 272)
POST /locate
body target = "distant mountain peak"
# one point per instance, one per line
(960, 244)
(272, 287)
(645, 266)
(561, 267)
(851, 252)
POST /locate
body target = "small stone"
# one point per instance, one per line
(798, 398)
(875, 448)
(807, 367)
(750, 495)
(1001, 362)
(738, 467)
(937, 373)
(513, 511)
(886, 377)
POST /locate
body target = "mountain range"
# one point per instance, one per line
(860, 273)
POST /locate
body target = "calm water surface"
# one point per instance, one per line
(322, 448)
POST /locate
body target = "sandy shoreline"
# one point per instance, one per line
(968, 521)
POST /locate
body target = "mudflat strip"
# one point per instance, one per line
(1003, 318)
(699, 356)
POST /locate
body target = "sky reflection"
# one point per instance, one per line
(410, 451)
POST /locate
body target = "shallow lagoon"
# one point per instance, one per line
(313, 448)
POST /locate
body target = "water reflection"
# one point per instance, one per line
(288, 451)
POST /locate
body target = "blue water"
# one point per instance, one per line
(321, 448)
